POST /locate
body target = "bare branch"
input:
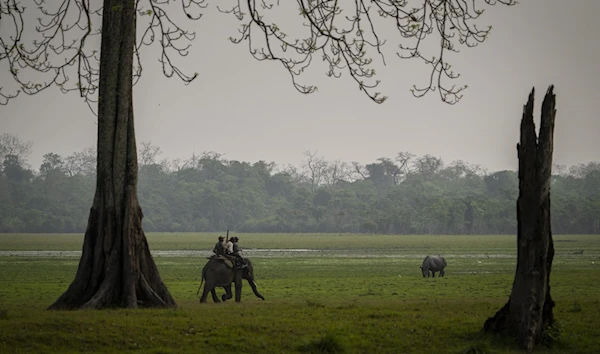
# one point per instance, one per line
(83, 162)
(148, 153)
(66, 42)
(12, 145)
(171, 37)
(341, 34)
(315, 168)
(344, 37)
(57, 49)
(360, 170)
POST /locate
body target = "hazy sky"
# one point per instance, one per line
(249, 110)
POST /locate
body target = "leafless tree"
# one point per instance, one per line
(336, 172)
(528, 315)
(192, 162)
(169, 165)
(428, 165)
(11, 144)
(148, 153)
(404, 162)
(83, 162)
(360, 170)
(315, 169)
(172, 165)
(294, 172)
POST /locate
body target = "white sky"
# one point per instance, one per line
(249, 110)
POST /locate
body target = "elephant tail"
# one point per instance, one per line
(201, 282)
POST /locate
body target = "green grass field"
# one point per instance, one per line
(353, 293)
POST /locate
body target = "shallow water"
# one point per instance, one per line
(313, 253)
(263, 253)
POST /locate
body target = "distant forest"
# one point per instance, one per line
(406, 194)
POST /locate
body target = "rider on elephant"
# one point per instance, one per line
(219, 246)
(239, 261)
(229, 246)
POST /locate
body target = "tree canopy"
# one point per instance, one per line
(405, 194)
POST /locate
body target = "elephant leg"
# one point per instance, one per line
(442, 273)
(215, 298)
(204, 293)
(433, 273)
(227, 294)
(238, 290)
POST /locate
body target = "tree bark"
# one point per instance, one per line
(116, 268)
(528, 312)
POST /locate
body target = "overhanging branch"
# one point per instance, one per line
(344, 37)
(65, 42)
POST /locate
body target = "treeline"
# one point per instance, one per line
(406, 194)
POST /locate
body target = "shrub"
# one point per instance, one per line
(329, 343)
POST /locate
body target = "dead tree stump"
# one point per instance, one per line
(528, 312)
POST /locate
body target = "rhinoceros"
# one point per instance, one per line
(433, 264)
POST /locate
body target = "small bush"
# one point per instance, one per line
(576, 307)
(329, 343)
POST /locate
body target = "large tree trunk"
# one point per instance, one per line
(528, 312)
(116, 268)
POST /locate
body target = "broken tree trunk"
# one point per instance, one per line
(116, 268)
(528, 312)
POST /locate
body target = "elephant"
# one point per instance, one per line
(218, 273)
(433, 264)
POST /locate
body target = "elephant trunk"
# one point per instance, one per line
(253, 286)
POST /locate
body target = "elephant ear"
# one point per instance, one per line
(229, 263)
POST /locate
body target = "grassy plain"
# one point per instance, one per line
(356, 293)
